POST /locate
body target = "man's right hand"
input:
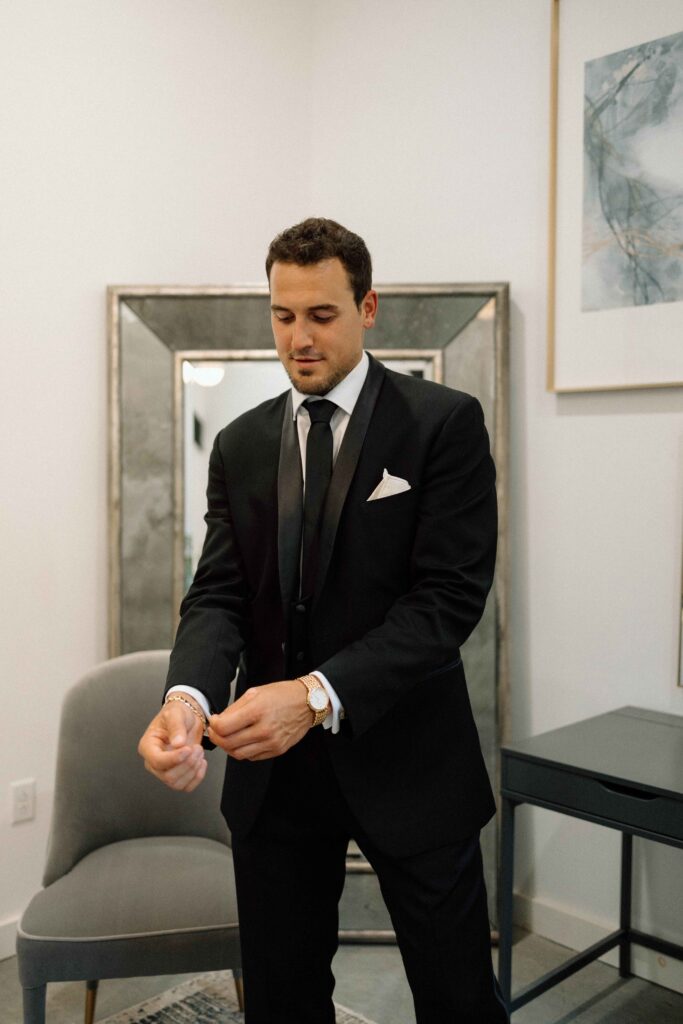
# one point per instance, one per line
(171, 749)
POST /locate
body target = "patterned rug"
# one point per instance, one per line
(208, 999)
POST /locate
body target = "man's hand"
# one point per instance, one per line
(170, 747)
(265, 722)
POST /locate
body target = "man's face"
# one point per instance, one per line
(318, 328)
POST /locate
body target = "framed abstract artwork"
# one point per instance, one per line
(615, 261)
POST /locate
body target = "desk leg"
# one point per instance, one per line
(625, 908)
(507, 872)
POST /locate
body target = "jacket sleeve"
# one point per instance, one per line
(212, 625)
(451, 571)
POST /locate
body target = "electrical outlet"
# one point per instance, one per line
(23, 800)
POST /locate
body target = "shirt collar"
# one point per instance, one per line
(344, 394)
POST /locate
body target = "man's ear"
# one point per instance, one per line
(368, 308)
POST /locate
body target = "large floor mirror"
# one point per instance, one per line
(186, 361)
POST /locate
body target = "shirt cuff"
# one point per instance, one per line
(198, 696)
(337, 712)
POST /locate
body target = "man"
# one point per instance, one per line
(350, 547)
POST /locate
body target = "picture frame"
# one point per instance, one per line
(617, 347)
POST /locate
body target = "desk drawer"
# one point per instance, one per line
(618, 804)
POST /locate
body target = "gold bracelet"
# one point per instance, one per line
(193, 709)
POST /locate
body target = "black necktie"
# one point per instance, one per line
(318, 474)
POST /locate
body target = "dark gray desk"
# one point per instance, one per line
(624, 770)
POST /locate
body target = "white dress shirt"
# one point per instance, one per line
(344, 395)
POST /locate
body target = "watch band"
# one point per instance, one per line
(312, 683)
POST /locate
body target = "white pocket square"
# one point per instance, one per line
(389, 485)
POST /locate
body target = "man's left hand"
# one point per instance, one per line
(265, 722)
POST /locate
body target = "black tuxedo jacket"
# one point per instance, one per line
(402, 581)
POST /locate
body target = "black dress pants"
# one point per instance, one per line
(289, 873)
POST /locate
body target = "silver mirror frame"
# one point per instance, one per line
(498, 412)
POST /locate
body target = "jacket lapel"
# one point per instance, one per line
(289, 495)
(345, 467)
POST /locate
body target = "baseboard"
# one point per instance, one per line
(560, 925)
(8, 936)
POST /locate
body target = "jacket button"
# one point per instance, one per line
(300, 656)
(301, 608)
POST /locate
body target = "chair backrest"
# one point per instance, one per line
(103, 793)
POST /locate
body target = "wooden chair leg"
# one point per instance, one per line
(90, 1000)
(239, 987)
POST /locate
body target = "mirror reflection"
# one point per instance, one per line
(215, 392)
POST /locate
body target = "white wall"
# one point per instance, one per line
(142, 142)
(168, 143)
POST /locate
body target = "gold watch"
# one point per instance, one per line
(317, 698)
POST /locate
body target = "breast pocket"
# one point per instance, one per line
(395, 504)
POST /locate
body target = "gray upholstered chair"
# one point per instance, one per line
(139, 879)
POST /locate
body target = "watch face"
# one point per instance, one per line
(318, 699)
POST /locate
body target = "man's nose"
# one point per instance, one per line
(301, 338)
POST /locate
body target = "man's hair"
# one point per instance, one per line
(318, 238)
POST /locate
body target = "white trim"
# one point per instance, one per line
(8, 936)
(560, 925)
(116, 937)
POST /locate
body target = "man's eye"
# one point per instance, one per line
(323, 319)
(283, 318)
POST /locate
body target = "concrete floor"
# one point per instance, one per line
(370, 980)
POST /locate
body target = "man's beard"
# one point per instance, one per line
(312, 386)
